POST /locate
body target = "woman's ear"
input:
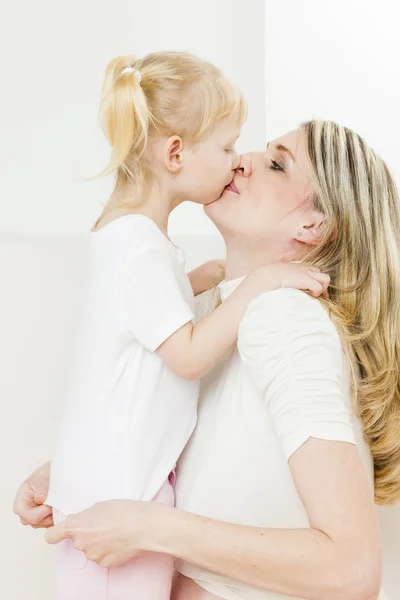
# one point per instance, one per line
(311, 230)
(173, 158)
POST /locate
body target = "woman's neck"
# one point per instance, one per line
(242, 259)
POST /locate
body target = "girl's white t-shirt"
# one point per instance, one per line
(127, 415)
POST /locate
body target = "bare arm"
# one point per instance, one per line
(292, 353)
(206, 276)
(337, 558)
(195, 349)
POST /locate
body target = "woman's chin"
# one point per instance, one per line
(210, 208)
(218, 212)
(226, 195)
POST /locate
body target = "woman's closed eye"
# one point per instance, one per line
(276, 166)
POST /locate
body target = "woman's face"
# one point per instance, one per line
(270, 199)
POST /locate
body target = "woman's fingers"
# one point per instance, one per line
(57, 534)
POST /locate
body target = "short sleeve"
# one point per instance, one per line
(153, 305)
(292, 354)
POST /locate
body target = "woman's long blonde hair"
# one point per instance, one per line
(361, 252)
(162, 94)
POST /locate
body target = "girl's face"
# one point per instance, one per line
(209, 165)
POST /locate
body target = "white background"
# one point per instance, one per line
(53, 58)
(294, 59)
(336, 60)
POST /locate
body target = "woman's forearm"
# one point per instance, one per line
(206, 276)
(297, 562)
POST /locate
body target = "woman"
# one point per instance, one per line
(273, 494)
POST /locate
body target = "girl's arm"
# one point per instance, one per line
(193, 350)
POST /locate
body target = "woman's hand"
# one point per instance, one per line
(110, 533)
(29, 501)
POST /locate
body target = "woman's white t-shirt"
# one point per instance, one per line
(127, 416)
(288, 380)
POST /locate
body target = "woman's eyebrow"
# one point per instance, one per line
(283, 149)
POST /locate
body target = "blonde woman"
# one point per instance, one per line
(275, 488)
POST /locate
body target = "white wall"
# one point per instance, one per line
(335, 60)
(53, 55)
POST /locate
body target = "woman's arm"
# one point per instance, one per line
(338, 557)
(206, 276)
(31, 496)
(293, 356)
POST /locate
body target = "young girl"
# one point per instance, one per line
(172, 120)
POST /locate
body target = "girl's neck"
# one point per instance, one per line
(154, 204)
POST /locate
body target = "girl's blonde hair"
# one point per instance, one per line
(162, 94)
(361, 252)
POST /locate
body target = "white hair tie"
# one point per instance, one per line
(129, 70)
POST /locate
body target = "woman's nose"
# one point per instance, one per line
(244, 167)
(235, 161)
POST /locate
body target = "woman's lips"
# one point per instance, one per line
(232, 188)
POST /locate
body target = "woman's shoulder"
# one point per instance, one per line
(287, 311)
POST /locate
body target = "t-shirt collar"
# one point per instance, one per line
(226, 288)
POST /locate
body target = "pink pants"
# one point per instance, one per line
(147, 577)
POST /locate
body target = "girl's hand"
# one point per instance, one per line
(291, 275)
